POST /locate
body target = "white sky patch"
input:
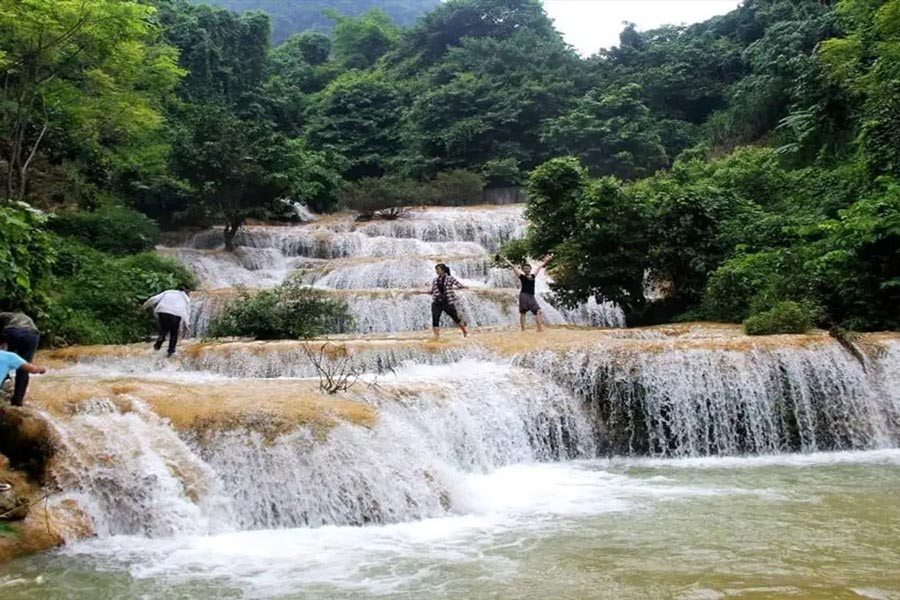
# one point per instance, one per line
(590, 25)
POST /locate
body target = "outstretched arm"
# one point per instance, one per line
(515, 269)
(33, 369)
(543, 264)
(152, 301)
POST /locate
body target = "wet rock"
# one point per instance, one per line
(27, 440)
(16, 494)
(47, 526)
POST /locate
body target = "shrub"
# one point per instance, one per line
(290, 311)
(742, 283)
(382, 197)
(113, 229)
(27, 254)
(453, 188)
(515, 251)
(503, 172)
(96, 299)
(784, 317)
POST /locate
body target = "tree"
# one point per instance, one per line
(314, 47)
(314, 178)
(356, 116)
(613, 133)
(238, 168)
(598, 232)
(289, 18)
(487, 98)
(360, 42)
(224, 54)
(866, 62)
(454, 21)
(91, 73)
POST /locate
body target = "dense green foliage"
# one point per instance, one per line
(784, 317)
(290, 311)
(293, 16)
(742, 168)
(112, 229)
(96, 299)
(801, 229)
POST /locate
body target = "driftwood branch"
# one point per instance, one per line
(335, 374)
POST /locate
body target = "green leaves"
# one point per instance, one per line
(290, 311)
(26, 253)
(612, 132)
(91, 74)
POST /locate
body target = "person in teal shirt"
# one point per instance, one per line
(10, 362)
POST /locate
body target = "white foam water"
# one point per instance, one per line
(696, 401)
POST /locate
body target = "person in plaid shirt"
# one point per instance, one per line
(444, 300)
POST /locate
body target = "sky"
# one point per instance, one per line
(589, 25)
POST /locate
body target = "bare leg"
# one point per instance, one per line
(538, 319)
(437, 332)
(522, 320)
(462, 327)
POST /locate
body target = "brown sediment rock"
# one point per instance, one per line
(27, 446)
(189, 405)
(47, 526)
(502, 341)
(27, 441)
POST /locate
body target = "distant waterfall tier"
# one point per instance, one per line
(437, 426)
(383, 311)
(404, 273)
(421, 231)
(727, 396)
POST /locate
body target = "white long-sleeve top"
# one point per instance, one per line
(173, 302)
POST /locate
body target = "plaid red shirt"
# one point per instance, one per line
(448, 295)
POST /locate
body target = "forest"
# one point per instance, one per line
(744, 169)
(290, 17)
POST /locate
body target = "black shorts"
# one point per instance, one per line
(528, 304)
(443, 307)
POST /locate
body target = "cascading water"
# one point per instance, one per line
(363, 259)
(674, 401)
(133, 474)
(497, 465)
(410, 465)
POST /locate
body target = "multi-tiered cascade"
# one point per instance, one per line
(378, 267)
(237, 435)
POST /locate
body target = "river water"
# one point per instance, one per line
(686, 462)
(824, 525)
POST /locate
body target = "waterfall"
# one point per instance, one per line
(666, 400)
(409, 465)
(361, 261)
(254, 444)
(133, 474)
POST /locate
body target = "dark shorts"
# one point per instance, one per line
(528, 303)
(443, 307)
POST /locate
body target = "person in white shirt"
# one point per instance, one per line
(173, 311)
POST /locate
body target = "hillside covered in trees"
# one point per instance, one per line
(295, 16)
(747, 166)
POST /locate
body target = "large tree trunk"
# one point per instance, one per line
(231, 229)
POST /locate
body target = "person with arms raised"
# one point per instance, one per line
(527, 300)
(444, 300)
